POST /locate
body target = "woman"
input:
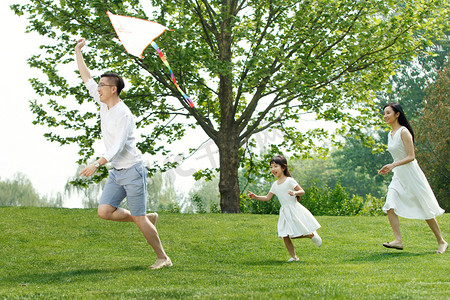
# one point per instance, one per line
(409, 194)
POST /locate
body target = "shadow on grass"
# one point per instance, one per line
(380, 256)
(68, 275)
(264, 263)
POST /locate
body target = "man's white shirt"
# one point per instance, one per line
(117, 125)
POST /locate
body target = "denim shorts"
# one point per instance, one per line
(130, 183)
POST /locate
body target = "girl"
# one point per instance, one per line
(409, 194)
(295, 220)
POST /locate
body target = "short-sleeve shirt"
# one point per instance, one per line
(281, 191)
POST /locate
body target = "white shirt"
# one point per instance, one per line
(117, 125)
(281, 191)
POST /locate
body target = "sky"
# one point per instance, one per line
(23, 147)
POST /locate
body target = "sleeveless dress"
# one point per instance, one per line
(409, 192)
(295, 220)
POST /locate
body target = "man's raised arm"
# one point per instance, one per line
(84, 71)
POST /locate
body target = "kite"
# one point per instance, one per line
(136, 34)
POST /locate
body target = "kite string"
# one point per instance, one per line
(161, 55)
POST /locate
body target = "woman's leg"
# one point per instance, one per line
(395, 224)
(442, 244)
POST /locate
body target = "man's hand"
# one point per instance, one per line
(80, 44)
(82, 68)
(89, 170)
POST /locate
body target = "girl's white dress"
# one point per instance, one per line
(409, 192)
(295, 219)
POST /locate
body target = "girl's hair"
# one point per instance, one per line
(280, 160)
(401, 118)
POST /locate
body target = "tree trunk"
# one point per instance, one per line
(228, 136)
(229, 179)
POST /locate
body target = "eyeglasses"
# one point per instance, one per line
(102, 85)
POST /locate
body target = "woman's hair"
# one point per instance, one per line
(401, 118)
(118, 81)
(280, 160)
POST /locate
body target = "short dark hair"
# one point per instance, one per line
(120, 84)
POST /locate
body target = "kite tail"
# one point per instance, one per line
(161, 55)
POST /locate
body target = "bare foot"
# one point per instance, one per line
(153, 218)
(442, 248)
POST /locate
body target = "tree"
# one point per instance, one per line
(409, 83)
(19, 191)
(433, 137)
(249, 66)
(205, 194)
(162, 194)
(358, 166)
(90, 192)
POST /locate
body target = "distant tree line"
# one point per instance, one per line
(19, 191)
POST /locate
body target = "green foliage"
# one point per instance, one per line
(172, 207)
(72, 254)
(198, 203)
(372, 206)
(413, 77)
(248, 66)
(19, 191)
(204, 195)
(433, 137)
(252, 206)
(320, 201)
(356, 165)
(331, 202)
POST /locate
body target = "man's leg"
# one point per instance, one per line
(151, 235)
(108, 212)
(136, 190)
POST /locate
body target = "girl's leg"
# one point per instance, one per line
(395, 224)
(309, 236)
(442, 245)
(290, 247)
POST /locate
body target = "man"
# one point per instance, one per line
(128, 177)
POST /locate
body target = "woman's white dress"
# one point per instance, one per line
(295, 220)
(409, 192)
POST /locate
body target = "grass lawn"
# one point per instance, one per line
(71, 253)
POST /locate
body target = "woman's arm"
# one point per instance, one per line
(410, 155)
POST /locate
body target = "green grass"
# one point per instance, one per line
(71, 253)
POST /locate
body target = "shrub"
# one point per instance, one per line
(321, 202)
(372, 206)
(198, 203)
(252, 206)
